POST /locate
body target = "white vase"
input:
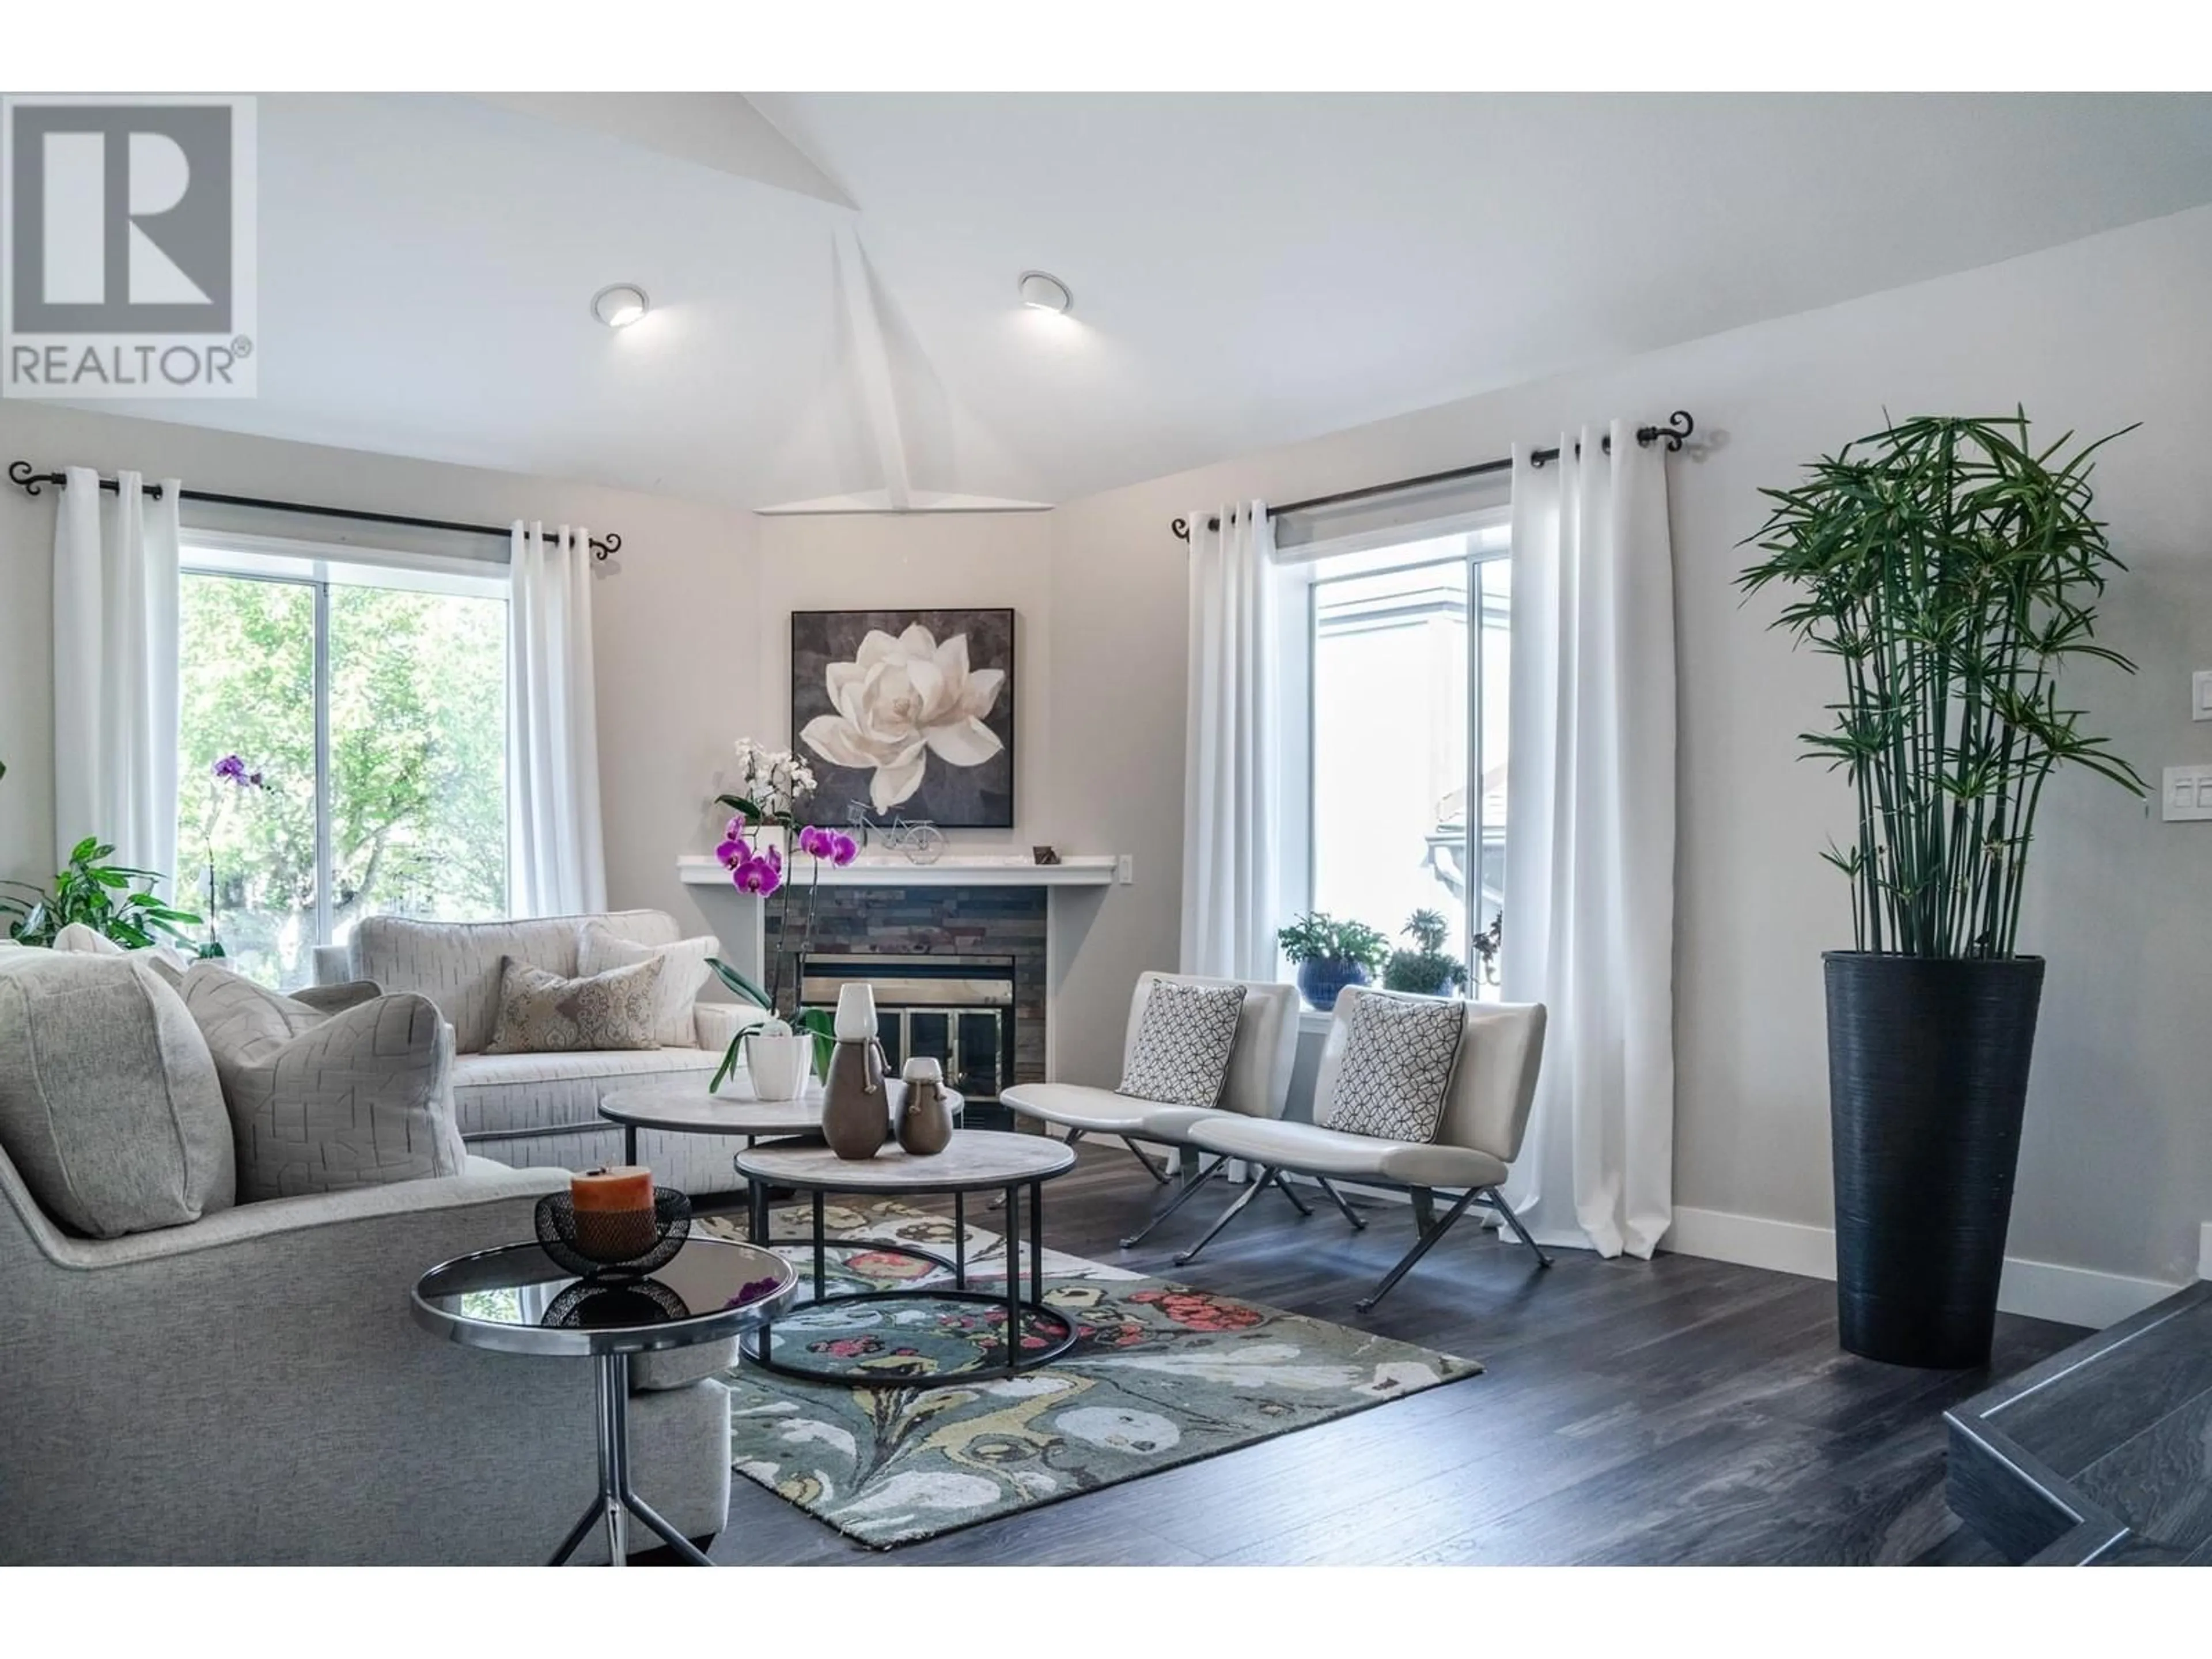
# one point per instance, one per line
(778, 1063)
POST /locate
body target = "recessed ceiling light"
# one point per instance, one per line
(1043, 291)
(620, 304)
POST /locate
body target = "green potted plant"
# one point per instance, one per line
(1330, 955)
(1425, 969)
(1950, 569)
(115, 901)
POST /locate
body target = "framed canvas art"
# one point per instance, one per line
(908, 713)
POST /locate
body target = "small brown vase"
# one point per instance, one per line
(925, 1121)
(856, 1118)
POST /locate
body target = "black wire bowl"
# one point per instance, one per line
(581, 1251)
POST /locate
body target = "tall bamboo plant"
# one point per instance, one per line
(1953, 570)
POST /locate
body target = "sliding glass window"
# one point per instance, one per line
(1408, 673)
(371, 700)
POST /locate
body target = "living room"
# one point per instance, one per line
(1481, 806)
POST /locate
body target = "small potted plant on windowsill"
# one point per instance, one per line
(1330, 955)
(1426, 970)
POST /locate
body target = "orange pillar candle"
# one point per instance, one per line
(614, 1212)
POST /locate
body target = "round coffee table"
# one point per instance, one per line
(978, 1160)
(517, 1299)
(683, 1106)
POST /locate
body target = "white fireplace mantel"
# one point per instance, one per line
(952, 870)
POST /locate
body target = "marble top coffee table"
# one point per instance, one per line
(683, 1106)
(978, 1160)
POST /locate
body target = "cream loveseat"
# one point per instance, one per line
(248, 1386)
(533, 1111)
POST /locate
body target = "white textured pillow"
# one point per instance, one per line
(324, 1103)
(1183, 1043)
(109, 1104)
(684, 970)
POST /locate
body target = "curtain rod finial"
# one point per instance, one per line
(24, 476)
(1181, 527)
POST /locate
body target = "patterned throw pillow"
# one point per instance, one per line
(1398, 1059)
(1183, 1043)
(322, 1101)
(541, 1013)
(684, 970)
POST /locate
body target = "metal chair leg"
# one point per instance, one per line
(1151, 1168)
(1429, 1237)
(1495, 1201)
(1297, 1203)
(1075, 1138)
(1359, 1221)
(1182, 1197)
(1243, 1201)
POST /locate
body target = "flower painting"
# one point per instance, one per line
(907, 714)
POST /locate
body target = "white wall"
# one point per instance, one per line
(2115, 1171)
(675, 617)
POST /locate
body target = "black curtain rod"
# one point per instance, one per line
(1680, 425)
(20, 474)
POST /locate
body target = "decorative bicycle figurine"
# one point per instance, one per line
(921, 841)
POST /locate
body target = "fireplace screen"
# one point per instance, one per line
(957, 1010)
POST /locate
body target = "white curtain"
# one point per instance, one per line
(556, 864)
(1231, 763)
(1589, 855)
(115, 670)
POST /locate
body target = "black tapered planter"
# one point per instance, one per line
(1927, 1066)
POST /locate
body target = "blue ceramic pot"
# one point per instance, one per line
(1321, 979)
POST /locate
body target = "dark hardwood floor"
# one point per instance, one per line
(1675, 1411)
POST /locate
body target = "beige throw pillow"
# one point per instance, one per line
(683, 970)
(541, 1013)
(323, 1103)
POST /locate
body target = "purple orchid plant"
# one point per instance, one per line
(753, 850)
(228, 776)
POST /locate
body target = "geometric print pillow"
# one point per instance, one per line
(1183, 1044)
(323, 1103)
(1397, 1064)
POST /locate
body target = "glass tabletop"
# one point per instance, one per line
(517, 1299)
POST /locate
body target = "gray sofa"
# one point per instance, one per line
(250, 1387)
(536, 1110)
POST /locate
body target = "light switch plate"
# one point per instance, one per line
(1125, 869)
(2186, 795)
(2200, 695)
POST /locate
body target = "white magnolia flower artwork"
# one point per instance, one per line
(901, 700)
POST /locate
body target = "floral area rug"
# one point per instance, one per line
(1160, 1375)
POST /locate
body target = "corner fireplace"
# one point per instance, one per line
(958, 1009)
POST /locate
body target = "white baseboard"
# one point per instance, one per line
(2204, 1251)
(2039, 1290)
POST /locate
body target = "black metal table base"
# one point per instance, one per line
(616, 1503)
(759, 1346)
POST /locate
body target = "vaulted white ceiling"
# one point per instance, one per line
(833, 275)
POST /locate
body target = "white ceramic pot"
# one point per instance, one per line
(779, 1062)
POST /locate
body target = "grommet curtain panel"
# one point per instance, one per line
(116, 690)
(1589, 851)
(1231, 787)
(556, 862)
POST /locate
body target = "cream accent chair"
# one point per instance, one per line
(1258, 1079)
(1485, 1114)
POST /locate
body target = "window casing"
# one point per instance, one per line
(369, 690)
